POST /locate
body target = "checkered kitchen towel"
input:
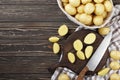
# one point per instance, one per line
(114, 45)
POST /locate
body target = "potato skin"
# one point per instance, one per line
(70, 9)
(98, 20)
(89, 8)
(74, 3)
(108, 6)
(99, 9)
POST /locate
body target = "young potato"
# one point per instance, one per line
(99, 9)
(104, 31)
(54, 39)
(85, 19)
(71, 57)
(80, 9)
(56, 48)
(115, 76)
(90, 39)
(86, 1)
(77, 16)
(114, 65)
(65, 1)
(115, 55)
(98, 1)
(103, 72)
(70, 9)
(74, 3)
(80, 55)
(63, 76)
(63, 30)
(108, 6)
(98, 20)
(104, 14)
(64, 4)
(89, 8)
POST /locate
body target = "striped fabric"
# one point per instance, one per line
(114, 45)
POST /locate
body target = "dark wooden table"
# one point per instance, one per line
(25, 26)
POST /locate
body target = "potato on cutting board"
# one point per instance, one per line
(79, 58)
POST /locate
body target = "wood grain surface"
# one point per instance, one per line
(25, 26)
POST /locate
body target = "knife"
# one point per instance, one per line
(97, 56)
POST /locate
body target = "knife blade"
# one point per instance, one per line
(97, 56)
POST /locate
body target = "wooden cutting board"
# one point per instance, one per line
(79, 64)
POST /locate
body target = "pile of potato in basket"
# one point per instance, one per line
(88, 12)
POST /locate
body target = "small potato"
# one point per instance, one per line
(70, 9)
(78, 45)
(98, 1)
(56, 48)
(98, 20)
(65, 1)
(114, 65)
(63, 76)
(71, 57)
(80, 55)
(90, 38)
(88, 51)
(108, 6)
(77, 16)
(115, 55)
(89, 8)
(115, 76)
(74, 3)
(103, 72)
(85, 19)
(104, 14)
(80, 9)
(54, 39)
(64, 4)
(99, 9)
(86, 1)
(63, 30)
(104, 31)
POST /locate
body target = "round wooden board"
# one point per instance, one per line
(79, 64)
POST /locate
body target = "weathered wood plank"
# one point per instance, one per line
(26, 2)
(31, 13)
(25, 76)
(26, 64)
(35, 2)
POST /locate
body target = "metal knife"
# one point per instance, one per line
(97, 56)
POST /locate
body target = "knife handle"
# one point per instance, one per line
(82, 73)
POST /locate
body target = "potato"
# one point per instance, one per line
(71, 57)
(56, 48)
(114, 65)
(74, 3)
(64, 4)
(85, 19)
(98, 1)
(70, 9)
(80, 9)
(86, 1)
(104, 14)
(99, 9)
(114, 76)
(88, 51)
(54, 39)
(63, 30)
(89, 8)
(98, 20)
(80, 55)
(65, 1)
(78, 45)
(63, 76)
(108, 6)
(103, 72)
(104, 31)
(115, 55)
(90, 38)
(77, 16)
